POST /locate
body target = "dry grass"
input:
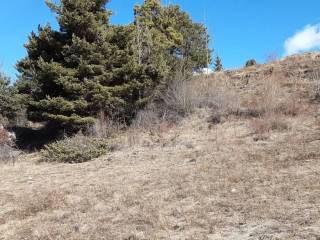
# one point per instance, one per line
(188, 180)
(8, 153)
(200, 184)
(4, 136)
(183, 97)
(106, 127)
(268, 123)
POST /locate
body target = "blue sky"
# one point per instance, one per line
(240, 29)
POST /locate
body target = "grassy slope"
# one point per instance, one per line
(195, 180)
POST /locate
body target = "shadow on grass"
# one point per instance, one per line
(30, 139)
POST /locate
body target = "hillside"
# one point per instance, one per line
(244, 165)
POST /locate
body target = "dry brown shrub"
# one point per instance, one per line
(147, 119)
(184, 96)
(270, 94)
(39, 202)
(106, 127)
(179, 98)
(267, 123)
(273, 98)
(4, 136)
(292, 107)
(151, 122)
(7, 151)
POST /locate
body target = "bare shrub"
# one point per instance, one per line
(267, 123)
(291, 107)
(150, 121)
(215, 94)
(39, 202)
(184, 96)
(8, 153)
(77, 149)
(148, 118)
(179, 97)
(272, 98)
(132, 136)
(105, 127)
(4, 138)
(270, 94)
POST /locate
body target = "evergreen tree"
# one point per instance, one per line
(251, 62)
(70, 73)
(218, 64)
(154, 41)
(191, 48)
(11, 103)
(89, 66)
(168, 39)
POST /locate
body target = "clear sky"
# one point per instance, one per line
(240, 29)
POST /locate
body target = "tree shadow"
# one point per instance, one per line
(31, 139)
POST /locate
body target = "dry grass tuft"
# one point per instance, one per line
(106, 127)
(39, 202)
(4, 136)
(8, 153)
(268, 123)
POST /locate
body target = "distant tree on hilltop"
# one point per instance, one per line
(218, 64)
(250, 63)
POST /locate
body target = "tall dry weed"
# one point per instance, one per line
(184, 96)
(316, 82)
(106, 127)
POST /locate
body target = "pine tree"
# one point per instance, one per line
(169, 39)
(70, 73)
(251, 62)
(218, 64)
(11, 103)
(155, 41)
(191, 48)
(89, 66)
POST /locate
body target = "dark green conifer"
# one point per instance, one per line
(218, 64)
(69, 72)
(11, 103)
(89, 66)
